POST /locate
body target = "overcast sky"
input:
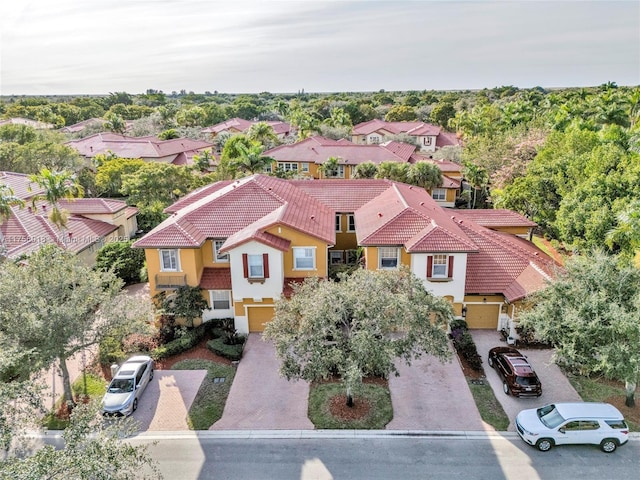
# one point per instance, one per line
(235, 46)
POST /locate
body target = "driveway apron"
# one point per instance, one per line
(555, 386)
(259, 398)
(431, 395)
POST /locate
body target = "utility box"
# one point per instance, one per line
(114, 369)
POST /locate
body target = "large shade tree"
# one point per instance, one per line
(56, 306)
(330, 328)
(590, 312)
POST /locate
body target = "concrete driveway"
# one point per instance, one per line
(555, 386)
(259, 398)
(431, 395)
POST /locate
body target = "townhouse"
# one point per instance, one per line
(428, 137)
(245, 242)
(240, 125)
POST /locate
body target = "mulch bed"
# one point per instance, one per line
(339, 409)
(199, 352)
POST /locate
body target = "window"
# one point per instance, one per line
(140, 373)
(374, 139)
(304, 258)
(288, 166)
(336, 257)
(217, 256)
(256, 266)
(304, 166)
(426, 140)
(340, 171)
(439, 266)
(388, 257)
(169, 261)
(351, 223)
(338, 222)
(220, 299)
(439, 194)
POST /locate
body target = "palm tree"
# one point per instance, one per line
(57, 186)
(7, 200)
(263, 133)
(365, 170)
(330, 168)
(477, 178)
(425, 175)
(251, 159)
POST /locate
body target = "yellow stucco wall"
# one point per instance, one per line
(299, 239)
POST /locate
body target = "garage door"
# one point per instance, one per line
(483, 316)
(258, 317)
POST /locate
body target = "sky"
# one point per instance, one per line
(67, 47)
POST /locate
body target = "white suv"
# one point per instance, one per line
(569, 423)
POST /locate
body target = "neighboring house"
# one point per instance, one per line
(245, 242)
(428, 137)
(78, 127)
(305, 157)
(500, 220)
(27, 121)
(92, 222)
(178, 151)
(240, 125)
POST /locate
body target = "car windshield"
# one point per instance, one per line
(526, 381)
(121, 385)
(549, 416)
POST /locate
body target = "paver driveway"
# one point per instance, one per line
(260, 398)
(555, 386)
(431, 395)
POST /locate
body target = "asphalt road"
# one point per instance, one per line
(384, 457)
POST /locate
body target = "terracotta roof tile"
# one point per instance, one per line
(496, 218)
(344, 196)
(216, 279)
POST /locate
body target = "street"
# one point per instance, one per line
(497, 456)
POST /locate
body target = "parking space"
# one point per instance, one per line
(555, 386)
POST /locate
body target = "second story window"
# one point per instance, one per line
(217, 256)
(439, 194)
(304, 258)
(304, 166)
(288, 166)
(439, 266)
(388, 258)
(338, 222)
(351, 223)
(169, 261)
(255, 266)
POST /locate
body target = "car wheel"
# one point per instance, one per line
(505, 388)
(490, 361)
(151, 376)
(544, 444)
(608, 445)
(135, 404)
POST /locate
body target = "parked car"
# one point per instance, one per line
(518, 377)
(570, 423)
(127, 386)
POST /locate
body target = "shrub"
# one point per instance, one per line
(126, 262)
(111, 351)
(232, 352)
(189, 340)
(466, 347)
(139, 342)
(458, 324)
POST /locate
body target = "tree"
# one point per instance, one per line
(57, 186)
(186, 304)
(626, 233)
(110, 171)
(330, 328)
(329, 169)
(395, 171)
(477, 178)
(93, 449)
(365, 170)
(7, 200)
(252, 159)
(263, 133)
(400, 113)
(56, 306)
(114, 122)
(425, 175)
(442, 112)
(125, 262)
(590, 312)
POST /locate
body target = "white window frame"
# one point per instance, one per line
(304, 166)
(288, 166)
(442, 263)
(255, 262)
(351, 222)
(439, 193)
(336, 257)
(384, 254)
(220, 293)
(338, 222)
(427, 140)
(308, 253)
(374, 139)
(217, 257)
(176, 259)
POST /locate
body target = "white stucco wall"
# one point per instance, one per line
(241, 287)
(455, 287)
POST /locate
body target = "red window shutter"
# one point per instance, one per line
(429, 266)
(450, 275)
(245, 265)
(265, 264)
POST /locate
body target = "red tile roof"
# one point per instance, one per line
(345, 196)
(242, 125)
(216, 279)
(443, 138)
(492, 218)
(82, 206)
(20, 184)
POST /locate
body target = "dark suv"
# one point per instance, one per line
(518, 377)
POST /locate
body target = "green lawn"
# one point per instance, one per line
(380, 413)
(209, 403)
(95, 388)
(490, 409)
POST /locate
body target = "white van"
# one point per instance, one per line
(573, 423)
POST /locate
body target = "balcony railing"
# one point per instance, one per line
(169, 282)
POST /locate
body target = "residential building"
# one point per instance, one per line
(245, 242)
(178, 151)
(240, 125)
(305, 158)
(428, 137)
(92, 222)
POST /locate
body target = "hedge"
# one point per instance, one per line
(189, 340)
(232, 352)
